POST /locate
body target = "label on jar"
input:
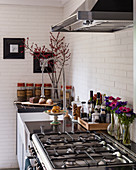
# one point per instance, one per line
(29, 92)
(20, 93)
(37, 92)
(47, 92)
(67, 95)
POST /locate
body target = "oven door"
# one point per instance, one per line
(32, 163)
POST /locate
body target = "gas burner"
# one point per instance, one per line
(87, 137)
(80, 148)
(70, 150)
(56, 139)
(70, 162)
(109, 158)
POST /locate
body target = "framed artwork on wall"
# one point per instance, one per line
(49, 65)
(13, 48)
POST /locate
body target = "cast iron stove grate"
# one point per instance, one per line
(82, 149)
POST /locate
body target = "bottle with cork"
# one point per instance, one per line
(90, 106)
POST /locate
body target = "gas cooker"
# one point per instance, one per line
(80, 150)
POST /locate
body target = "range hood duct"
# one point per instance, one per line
(99, 16)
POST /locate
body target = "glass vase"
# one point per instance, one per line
(110, 128)
(126, 134)
(118, 129)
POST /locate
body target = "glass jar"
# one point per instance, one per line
(84, 111)
(110, 128)
(76, 107)
(21, 94)
(38, 90)
(47, 90)
(126, 134)
(68, 95)
(29, 90)
(96, 116)
(118, 129)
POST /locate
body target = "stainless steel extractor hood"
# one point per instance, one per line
(99, 16)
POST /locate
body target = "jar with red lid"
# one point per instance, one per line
(68, 94)
(38, 90)
(29, 90)
(21, 93)
(47, 90)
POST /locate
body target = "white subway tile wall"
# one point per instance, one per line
(102, 62)
(19, 22)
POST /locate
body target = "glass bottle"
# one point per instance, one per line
(96, 116)
(91, 96)
(84, 111)
(103, 110)
(91, 111)
(76, 107)
(103, 114)
(98, 102)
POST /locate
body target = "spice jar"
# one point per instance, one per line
(68, 94)
(38, 90)
(76, 107)
(47, 91)
(21, 95)
(29, 90)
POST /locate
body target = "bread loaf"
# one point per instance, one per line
(42, 101)
(34, 100)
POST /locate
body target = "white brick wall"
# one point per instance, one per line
(19, 21)
(102, 62)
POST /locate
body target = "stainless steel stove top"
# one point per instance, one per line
(79, 150)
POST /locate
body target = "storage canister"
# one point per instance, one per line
(47, 90)
(29, 90)
(21, 95)
(68, 94)
(38, 90)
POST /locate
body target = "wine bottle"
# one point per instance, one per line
(103, 112)
(98, 102)
(90, 111)
(91, 96)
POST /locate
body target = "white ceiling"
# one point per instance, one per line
(53, 3)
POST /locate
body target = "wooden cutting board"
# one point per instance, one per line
(35, 104)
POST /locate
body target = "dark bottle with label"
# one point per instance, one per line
(91, 96)
(103, 114)
(103, 111)
(91, 111)
(98, 102)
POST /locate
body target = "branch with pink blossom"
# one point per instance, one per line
(60, 53)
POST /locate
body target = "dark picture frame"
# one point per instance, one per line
(13, 48)
(36, 63)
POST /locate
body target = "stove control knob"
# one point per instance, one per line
(39, 168)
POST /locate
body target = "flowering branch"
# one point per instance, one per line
(60, 53)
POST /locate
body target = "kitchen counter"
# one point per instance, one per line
(26, 109)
